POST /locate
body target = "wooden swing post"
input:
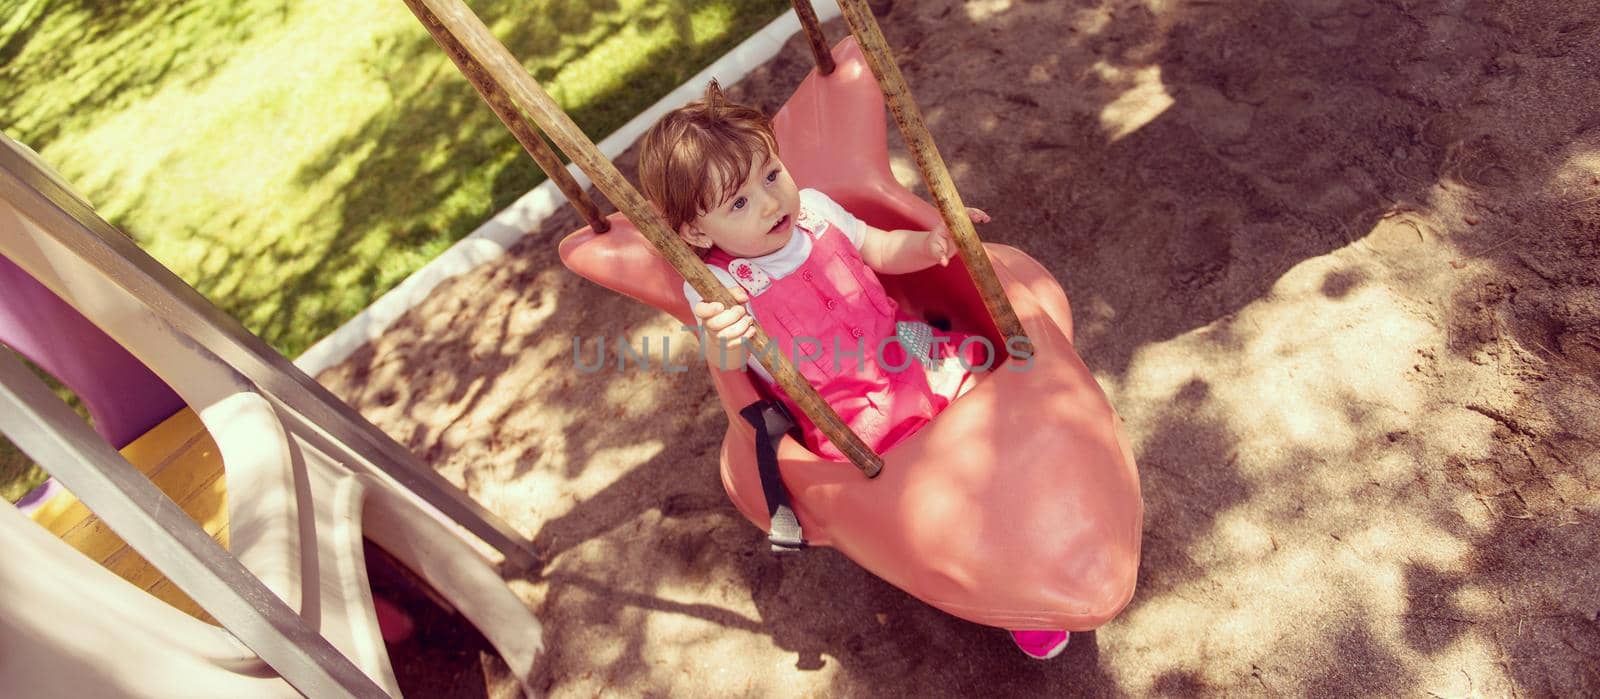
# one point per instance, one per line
(814, 36)
(934, 173)
(509, 115)
(503, 69)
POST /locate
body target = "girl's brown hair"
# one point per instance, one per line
(699, 153)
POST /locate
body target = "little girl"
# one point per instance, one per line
(808, 269)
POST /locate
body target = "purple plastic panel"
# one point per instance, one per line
(40, 495)
(124, 398)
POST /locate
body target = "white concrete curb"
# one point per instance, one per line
(495, 236)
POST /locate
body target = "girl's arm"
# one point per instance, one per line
(902, 251)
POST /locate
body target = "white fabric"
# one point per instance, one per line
(789, 258)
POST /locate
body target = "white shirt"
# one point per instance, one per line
(788, 258)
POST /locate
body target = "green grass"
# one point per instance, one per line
(18, 475)
(293, 160)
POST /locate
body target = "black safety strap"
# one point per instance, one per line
(772, 422)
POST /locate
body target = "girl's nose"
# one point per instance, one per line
(769, 205)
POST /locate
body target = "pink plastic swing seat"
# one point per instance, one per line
(1019, 505)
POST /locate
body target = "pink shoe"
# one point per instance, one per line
(1041, 645)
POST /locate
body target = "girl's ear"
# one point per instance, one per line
(693, 236)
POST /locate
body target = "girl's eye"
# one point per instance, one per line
(738, 204)
(772, 176)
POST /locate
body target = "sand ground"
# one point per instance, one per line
(1337, 263)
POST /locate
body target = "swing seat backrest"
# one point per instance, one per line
(832, 136)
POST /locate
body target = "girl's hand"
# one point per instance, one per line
(941, 245)
(726, 328)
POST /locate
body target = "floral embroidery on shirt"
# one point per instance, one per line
(749, 275)
(811, 223)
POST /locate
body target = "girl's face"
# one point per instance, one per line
(756, 217)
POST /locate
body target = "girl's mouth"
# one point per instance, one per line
(781, 225)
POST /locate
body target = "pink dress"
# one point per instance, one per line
(834, 305)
